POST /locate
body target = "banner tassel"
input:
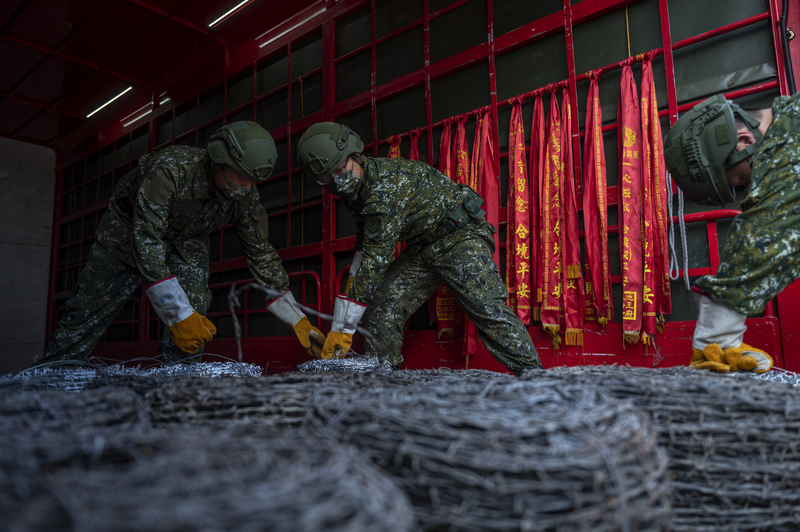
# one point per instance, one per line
(630, 337)
(574, 337)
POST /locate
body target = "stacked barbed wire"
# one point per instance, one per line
(490, 454)
(237, 477)
(733, 443)
(565, 449)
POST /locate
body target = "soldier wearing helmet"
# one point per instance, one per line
(448, 240)
(156, 233)
(712, 151)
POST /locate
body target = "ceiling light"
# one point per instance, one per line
(129, 122)
(229, 13)
(109, 101)
(262, 45)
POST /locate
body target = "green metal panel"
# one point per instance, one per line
(511, 14)
(399, 56)
(391, 15)
(353, 76)
(353, 31)
(458, 93)
(272, 73)
(532, 66)
(400, 113)
(458, 30)
(737, 59)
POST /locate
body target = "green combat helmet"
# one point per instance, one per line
(246, 147)
(324, 146)
(699, 147)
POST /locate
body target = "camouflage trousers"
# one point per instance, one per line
(762, 253)
(104, 285)
(462, 260)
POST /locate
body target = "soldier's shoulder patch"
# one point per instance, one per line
(158, 189)
(372, 225)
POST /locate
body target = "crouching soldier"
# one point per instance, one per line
(156, 232)
(448, 241)
(711, 151)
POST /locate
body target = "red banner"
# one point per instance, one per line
(552, 228)
(630, 202)
(518, 241)
(537, 173)
(464, 176)
(651, 136)
(599, 303)
(413, 151)
(443, 305)
(650, 291)
(572, 280)
(394, 149)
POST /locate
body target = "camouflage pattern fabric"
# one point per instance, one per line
(762, 253)
(400, 199)
(158, 225)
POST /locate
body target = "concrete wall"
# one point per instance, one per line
(27, 186)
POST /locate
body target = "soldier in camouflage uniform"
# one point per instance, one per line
(712, 150)
(448, 240)
(156, 232)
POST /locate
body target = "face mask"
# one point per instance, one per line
(230, 192)
(345, 185)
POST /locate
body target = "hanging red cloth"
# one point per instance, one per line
(572, 279)
(413, 151)
(537, 156)
(464, 176)
(394, 153)
(552, 228)
(654, 159)
(485, 181)
(518, 238)
(650, 286)
(443, 307)
(394, 149)
(630, 205)
(599, 303)
(487, 177)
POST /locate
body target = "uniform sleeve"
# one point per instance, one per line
(262, 259)
(150, 222)
(380, 236)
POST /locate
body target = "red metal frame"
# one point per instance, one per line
(422, 348)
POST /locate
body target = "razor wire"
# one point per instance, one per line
(234, 303)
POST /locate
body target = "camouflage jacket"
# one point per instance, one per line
(168, 200)
(397, 199)
(762, 253)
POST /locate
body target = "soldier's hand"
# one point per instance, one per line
(711, 358)
(337, 344)
(190, 334)
(748, 358)
(310, 337)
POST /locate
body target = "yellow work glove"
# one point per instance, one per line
(190, 334)
(310, 337)
(748, 358)
(711, 358)
(336, 344)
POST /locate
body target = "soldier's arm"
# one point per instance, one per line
(151, 209)
(262, 259)
(379, 242)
